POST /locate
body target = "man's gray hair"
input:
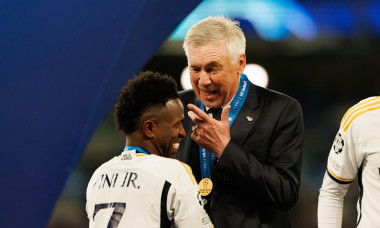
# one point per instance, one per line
(219, 30)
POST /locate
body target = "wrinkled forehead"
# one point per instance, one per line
(205, 54)
(219, 44)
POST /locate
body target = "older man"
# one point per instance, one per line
(248, 160)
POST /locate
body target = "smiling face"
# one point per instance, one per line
(169, 131)
(214, 78)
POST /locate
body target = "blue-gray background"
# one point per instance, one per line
(62, 64)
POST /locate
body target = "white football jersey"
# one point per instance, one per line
(355, 153)
(139, 190)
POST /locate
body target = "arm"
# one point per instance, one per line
(342, 166)
(330, 203)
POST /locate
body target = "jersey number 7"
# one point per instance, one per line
(118, 212)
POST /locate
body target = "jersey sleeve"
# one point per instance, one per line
(185, 202)
(343, 163)
(343, 160)
(330, 203)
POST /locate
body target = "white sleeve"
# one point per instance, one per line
(185, 203)
(330, 203)
(342, 167)
(344, 160)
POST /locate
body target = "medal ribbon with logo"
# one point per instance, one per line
(206, 158)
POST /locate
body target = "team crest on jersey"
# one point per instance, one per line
(338, 143)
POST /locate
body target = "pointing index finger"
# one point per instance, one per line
(197, 111)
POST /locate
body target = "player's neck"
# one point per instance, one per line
(132, 140)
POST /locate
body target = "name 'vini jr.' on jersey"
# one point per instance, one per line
(116, 180)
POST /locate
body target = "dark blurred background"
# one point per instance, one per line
(323, 53)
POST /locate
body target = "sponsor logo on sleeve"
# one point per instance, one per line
(205, 220)
(334, 164)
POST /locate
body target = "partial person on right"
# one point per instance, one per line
(355, 153)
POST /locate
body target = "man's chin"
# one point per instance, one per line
(210, 103)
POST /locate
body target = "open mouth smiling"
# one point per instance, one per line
(208, 94)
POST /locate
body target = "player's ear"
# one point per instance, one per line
(149, 128)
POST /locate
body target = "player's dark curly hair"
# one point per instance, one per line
(145, 90)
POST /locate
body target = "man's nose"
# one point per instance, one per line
(204, 78)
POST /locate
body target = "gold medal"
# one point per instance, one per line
(205, 186)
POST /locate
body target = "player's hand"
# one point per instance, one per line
(209, 133)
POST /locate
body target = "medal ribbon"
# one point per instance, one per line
(138, 149)
(206, 158)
